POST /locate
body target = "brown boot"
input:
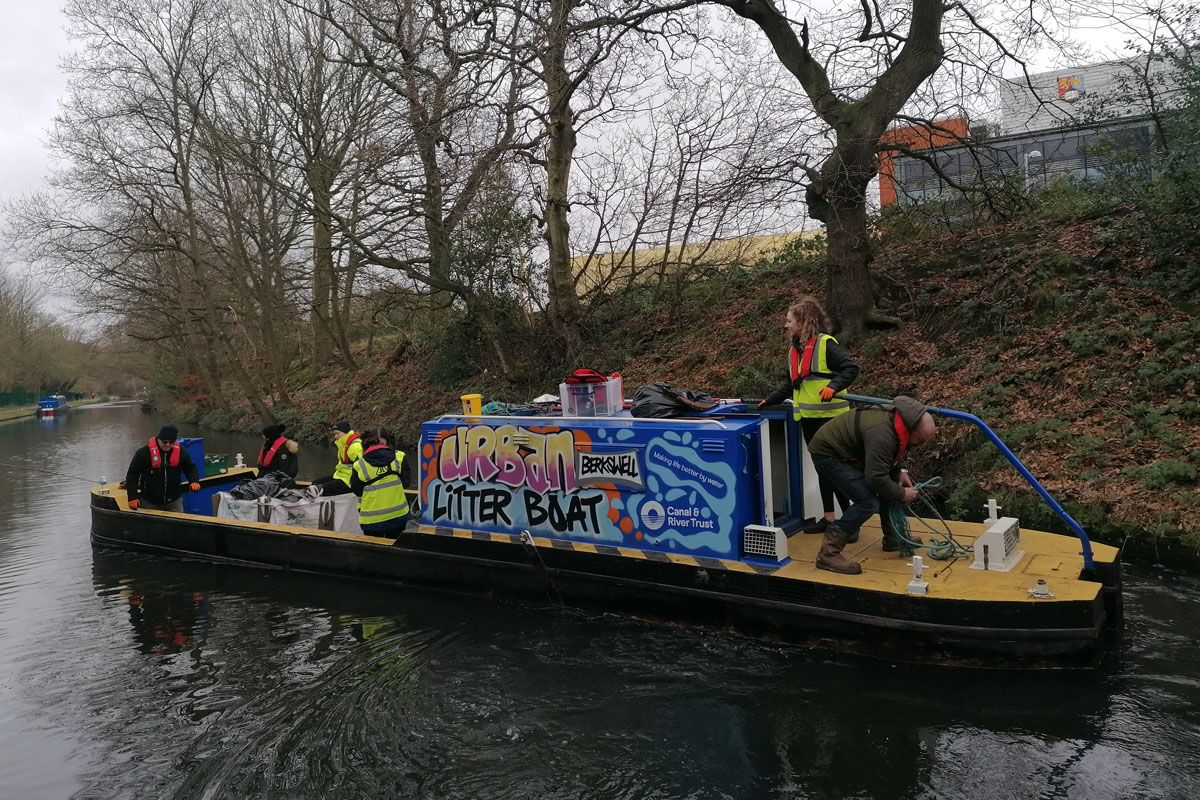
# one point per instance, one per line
(830, 555)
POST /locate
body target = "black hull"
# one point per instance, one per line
(890, 626)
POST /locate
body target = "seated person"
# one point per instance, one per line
(278, 453)
(349, 449)
(375, 478)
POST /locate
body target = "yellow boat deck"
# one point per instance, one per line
(1053, 557)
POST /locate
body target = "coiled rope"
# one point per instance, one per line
(942, 545)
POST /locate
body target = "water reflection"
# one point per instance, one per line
(166, 623)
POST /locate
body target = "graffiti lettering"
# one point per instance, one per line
(579, 515)
(467, 504)
(510, 455)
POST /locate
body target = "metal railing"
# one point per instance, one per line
(1012, 458)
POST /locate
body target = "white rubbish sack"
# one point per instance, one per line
(336, 513)
(241, 510)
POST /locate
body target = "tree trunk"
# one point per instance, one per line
(837, 197)
(848, 292)
(486, 319)
(322, 281)
(560, 150)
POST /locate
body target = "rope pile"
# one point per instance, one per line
(941, 545)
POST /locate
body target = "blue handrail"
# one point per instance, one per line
(1012, 458)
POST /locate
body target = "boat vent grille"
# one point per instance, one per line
(998, 548)
(712, 446)
(764, 542)
(790, 591)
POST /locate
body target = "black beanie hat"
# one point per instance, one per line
(168, 432)
(341, 425)
(273, 432)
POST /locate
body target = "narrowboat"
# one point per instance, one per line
(52, 404)
(694, 520)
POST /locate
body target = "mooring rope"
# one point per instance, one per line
(48, 472)
(942, 545)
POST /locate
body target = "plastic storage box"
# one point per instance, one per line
(592, 399)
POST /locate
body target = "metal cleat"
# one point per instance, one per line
(1041, 590)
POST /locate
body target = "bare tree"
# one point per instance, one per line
(712, 164)
(147, 215)
(585, 56)
(330, 113)
(858, 69)
(461, 118)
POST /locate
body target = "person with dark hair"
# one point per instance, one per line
(349, 449)
(278, 452)
(819, 368)
(154, 480)
(861, 454)
(376, 479)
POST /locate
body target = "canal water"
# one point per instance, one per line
(133, 676)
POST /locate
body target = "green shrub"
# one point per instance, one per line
(457, 352)
(1163, 475)
(1090, 342)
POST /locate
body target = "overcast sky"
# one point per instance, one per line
(31, 43)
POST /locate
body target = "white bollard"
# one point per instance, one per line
(993, 509)
(240, 463)
(918, 585)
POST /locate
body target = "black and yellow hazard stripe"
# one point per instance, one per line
(602, 549)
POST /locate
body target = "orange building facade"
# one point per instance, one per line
(914, 137)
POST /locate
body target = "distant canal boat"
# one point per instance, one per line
(52, 404)
(692, 520)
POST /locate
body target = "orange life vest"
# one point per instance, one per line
(270, 454)
(902, 432)
(156, 454)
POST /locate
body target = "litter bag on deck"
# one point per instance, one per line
(659, 399)
(333, 513)
(267, 485)
(229, 507)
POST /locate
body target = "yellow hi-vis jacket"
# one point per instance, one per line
(383, 496)
(812, 368)
(349, 450)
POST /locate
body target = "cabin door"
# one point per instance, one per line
(782, 480)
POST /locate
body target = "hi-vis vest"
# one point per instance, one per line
(383, 496)
(349, 450)
(812, 368)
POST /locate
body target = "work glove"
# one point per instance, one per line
(826, 394)
(195, 487)
(133, 504)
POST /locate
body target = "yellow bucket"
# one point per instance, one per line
(472, 404)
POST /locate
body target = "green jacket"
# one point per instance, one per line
(867, 436)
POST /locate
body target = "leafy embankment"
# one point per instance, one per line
(1076, 340)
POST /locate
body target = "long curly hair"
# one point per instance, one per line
(812, 317)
